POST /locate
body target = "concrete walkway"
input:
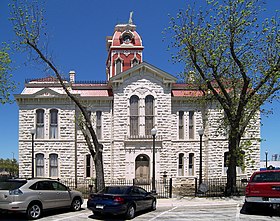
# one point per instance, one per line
(198, 201)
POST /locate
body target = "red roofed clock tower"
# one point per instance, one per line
(124, 49)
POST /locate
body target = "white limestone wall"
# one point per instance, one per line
(63, 146)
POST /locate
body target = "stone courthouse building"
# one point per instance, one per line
(136, 97)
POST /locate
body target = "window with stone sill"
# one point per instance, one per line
(98, 124)
(40, 118)
(149, 114)
(191, 164)
(39, 163)
(181, 125)
(191, 124)
(181, 165)
(53, 161)
(88, 166)
(53, 124)
(134, 115)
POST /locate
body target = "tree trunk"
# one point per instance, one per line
(99, 171)
(234, 141)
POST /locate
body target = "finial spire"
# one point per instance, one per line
(130, 18)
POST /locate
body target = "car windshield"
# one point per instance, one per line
(115, 190)
(12, 184)
(267, 177)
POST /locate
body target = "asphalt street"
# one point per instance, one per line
(195, 209)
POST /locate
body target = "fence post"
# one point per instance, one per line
(195, 186)
(170, 188)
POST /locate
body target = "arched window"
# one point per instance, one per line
(134, 115)
(98, 124)
(39, 161)
(181, 124)
(118, 66)
(53, 165)
(181, 165)
(135, 62)
(226, 162)
(149, 114)
(40, 115)
(191, 125)
(53, 124)
(191, 164)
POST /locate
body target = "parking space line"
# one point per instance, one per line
(69, 217)
(163, 213)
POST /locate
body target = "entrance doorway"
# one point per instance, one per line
(142, 169)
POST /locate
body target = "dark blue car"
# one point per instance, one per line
(116, 200)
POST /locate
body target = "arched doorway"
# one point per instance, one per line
(142, 169)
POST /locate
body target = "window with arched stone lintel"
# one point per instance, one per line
(39, 163)
(149, 114)
(40, 123)
(134, 115)
(53, 124)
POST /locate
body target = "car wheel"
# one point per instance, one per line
(154, 205)
(76, 204)
(130, 213)
(34, 211)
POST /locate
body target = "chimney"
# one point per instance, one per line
(72, 76)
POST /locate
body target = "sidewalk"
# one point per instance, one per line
(196, 201)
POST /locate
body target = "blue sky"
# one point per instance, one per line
(77, 31)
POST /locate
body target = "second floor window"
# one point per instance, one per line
(53, 124)
(181, 125)
(134, 115)
(40, 114)
(89, 169)
(191, 125)
(98, 124)
(149, 114)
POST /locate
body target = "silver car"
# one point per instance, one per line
(35, 195)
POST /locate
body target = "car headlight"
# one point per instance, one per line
(15, 192)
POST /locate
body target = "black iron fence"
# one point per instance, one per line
(87, 186)
(217, 187)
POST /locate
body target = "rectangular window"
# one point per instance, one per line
(53, 165)
(98, 124)
(88, 165)
(40, 115)
(53, 124)
(39, 165)
(149, 114)
(181, 125)
(191, 166)
(134, 117)
(181, 165)
(191, 125)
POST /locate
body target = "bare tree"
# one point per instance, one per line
(29, 26)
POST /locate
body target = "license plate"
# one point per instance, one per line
(99, 206)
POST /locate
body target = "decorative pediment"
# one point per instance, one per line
(144, 68)
(46, 92)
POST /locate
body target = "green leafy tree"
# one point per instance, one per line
(10, 166)
(236, 59)
(7, 85)
(29, 27)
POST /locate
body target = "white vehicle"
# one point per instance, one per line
(35, 195)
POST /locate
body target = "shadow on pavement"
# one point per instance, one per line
(260, 210)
